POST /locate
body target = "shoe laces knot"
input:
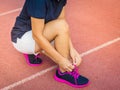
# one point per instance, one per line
(75, 73)
(36, 56)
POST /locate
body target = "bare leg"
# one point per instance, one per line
(57, 30)
(62, 44)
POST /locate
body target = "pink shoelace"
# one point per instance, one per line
(75, 74)
(37, 56)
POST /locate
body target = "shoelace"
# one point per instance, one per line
(75, 74)
(36, 56)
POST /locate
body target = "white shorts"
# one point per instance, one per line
(26, 44)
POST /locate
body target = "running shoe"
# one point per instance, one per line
(73, 78)
(32, 59)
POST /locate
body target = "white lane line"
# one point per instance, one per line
(53, 67)
(100, 47)
(11, 11)
(28, 78)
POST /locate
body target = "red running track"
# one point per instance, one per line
(92, 24)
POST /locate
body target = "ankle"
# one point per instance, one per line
(61, 70)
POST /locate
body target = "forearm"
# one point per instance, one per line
(48, 48)
(37, 31)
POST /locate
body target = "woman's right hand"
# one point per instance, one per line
(65, 65)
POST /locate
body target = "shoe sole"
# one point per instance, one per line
(68, 83)
(27, 60)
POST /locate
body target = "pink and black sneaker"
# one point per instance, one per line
(32, 59)
(71, 78)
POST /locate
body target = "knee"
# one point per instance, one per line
(61, 26)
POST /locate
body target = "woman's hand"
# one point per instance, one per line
(65, 65)
(76, 58)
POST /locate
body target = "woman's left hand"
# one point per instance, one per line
(76, 58)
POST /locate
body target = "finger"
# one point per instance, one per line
(74, 61)
(71, 67)
(78, 61)
(67, 69)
